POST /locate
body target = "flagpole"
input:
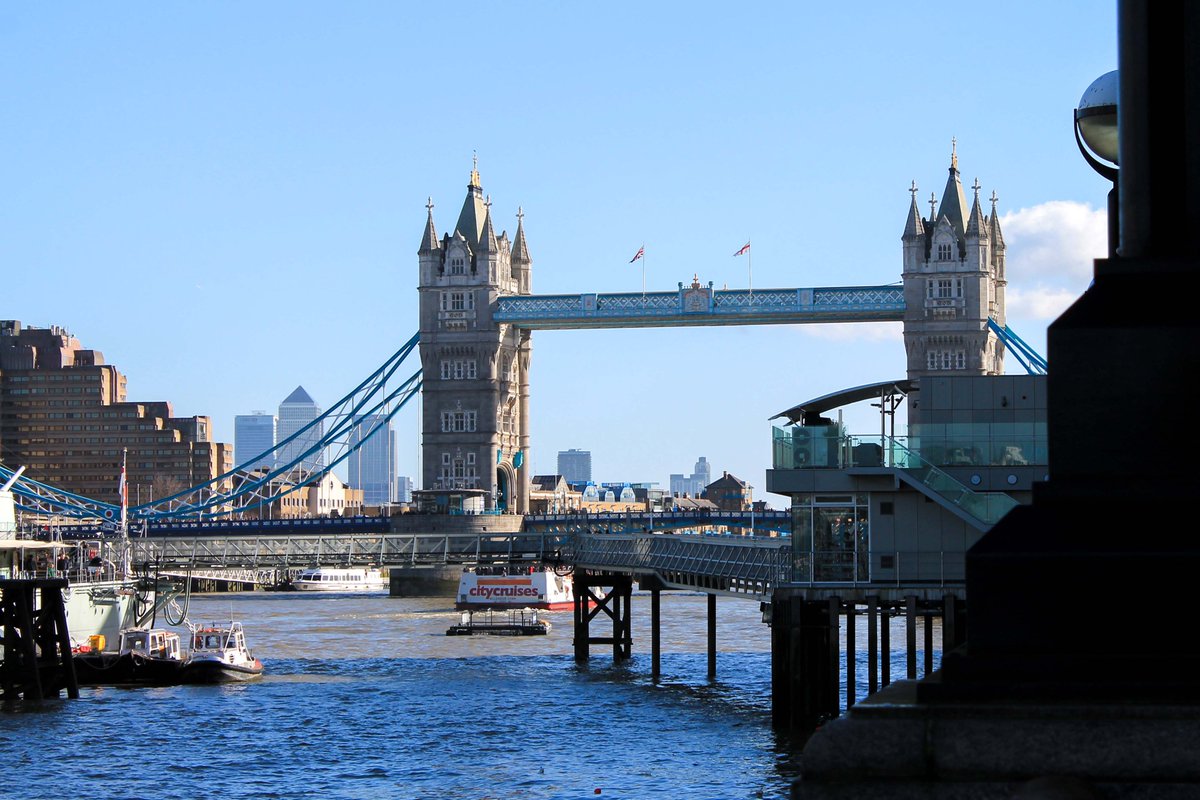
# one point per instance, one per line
(750, 269)
(643, 251)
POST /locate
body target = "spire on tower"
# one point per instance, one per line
(976, 225)
(954, 202)
(429, 242)
(997, 237)
(520, 250)
(487, 237)
(913, 226)
(470, 219)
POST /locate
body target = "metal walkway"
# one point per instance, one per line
(694, 305)
(739, 566)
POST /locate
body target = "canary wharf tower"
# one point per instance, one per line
(475, 395)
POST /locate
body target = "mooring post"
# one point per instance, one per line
(872, 644)
(885, 646)
(851, 679)
(583, 591)
(712, 637)
(928, 643)
(833, 704)
(910, 635)
(655, 635)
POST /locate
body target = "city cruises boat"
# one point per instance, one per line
(339, 579)
(517, 622)
(219, 655)
(144, 657)
(544, 589)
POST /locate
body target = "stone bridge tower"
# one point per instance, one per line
(475, 395)
(953, 283)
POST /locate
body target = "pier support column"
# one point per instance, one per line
(804, 660)
(655, 635)
(37, 646)
(615, 603)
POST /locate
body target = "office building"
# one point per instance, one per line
(372, 464)
(404, 489)
(64, 417)
(575, 465)
(297, 411)
(253, 438)
(693, 485)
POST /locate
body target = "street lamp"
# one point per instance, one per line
(1096, 135)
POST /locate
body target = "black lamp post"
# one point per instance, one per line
(1096, 136)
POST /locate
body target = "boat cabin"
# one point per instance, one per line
(152, 643)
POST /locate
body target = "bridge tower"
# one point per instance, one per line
(953, 283)
(475, 395)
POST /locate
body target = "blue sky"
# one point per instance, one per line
(227, 199)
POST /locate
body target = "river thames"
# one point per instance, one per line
(366, 697)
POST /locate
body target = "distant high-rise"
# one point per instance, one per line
(404, 487)
(253, 436)
(575, 465)
(297, 410)
(373, 464)
(693, 485)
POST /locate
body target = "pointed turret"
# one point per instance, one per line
(520, 250)
(487, 234)
(997, 236)
(954, 202)
(976, 224)
(914, 227)
(470, 219)
(429, 242)
(521, 264)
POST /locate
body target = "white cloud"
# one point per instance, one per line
(1054, 244)
(1044, 303)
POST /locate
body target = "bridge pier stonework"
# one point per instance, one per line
(475, 392)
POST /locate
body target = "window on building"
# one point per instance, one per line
(946, 360)
(458, 265)
(945, 252)
(458, 369)
(458, 422)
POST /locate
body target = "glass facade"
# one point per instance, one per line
(831, 538)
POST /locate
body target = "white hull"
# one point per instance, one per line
(328, 579)
(102, 608)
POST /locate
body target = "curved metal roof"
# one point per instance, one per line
(847, 396)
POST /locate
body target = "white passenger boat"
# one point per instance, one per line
(219, 655)
(543, 589)
(339, 579)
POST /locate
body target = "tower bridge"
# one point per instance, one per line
(865, 528)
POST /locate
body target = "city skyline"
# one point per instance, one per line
(254, 182)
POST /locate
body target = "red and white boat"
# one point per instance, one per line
(535, 589)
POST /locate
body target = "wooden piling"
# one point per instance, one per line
(37, 645)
